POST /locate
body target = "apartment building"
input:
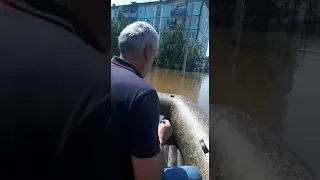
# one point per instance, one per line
(194, 14)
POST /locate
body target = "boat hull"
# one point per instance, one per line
(190, 130)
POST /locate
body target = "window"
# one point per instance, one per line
(187, 35)
(151, 9)
(193, 35)
(194, 20)
(189, 6)
(196, 6)
(158, 11)
(157, 23)
(179, 6)
(187, 20)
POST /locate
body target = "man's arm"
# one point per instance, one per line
(147, 156)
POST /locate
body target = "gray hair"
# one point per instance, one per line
(136, 36)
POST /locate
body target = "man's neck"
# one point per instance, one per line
(134, 60)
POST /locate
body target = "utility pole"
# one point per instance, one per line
(186, 45)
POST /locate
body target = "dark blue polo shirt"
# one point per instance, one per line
(135, 110)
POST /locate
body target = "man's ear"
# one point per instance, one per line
(148, 50)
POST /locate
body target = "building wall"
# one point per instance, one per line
(159, 16)
(198, 14)
(167, 10)
(146, 13)
(205, 16)
(196, 7)
(149, 11)
(159, 19)
(114, 12)
(204, 28)
(141, 12)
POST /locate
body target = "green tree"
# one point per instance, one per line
(194, 60)
(171, 48)
(205, 60)
(117, 25)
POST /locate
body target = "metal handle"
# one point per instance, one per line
(203, 146)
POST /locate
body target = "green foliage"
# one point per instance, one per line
(205, 60)
(171, 47)
(194, 59)
(171, 51)
(117, 25)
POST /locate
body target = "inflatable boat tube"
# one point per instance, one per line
(244, 149)
(189, 144)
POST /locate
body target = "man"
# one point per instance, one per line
(135, 109)
(135, 104)
(55, 93)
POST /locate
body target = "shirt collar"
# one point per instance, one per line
(125, 64)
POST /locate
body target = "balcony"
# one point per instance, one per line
(178, 12)
(131, 15)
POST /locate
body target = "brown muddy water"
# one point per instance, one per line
(194, 86)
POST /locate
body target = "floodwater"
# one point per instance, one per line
(194, 86)
(275, 78)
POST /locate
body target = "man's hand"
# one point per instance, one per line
(164, 131)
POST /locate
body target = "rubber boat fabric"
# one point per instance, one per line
(190, 142)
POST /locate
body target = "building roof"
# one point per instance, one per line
(157, 2)
(144, 3)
